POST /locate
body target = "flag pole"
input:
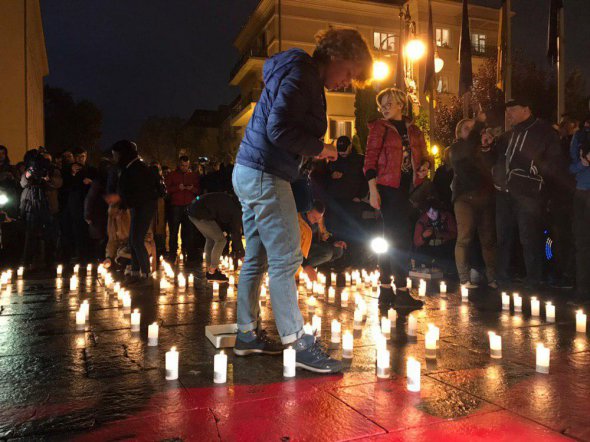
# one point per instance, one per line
(508, 69)
(561, 75)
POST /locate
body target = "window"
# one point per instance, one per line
(443, 85)
(385, 41)
(443, 38)
(340, 127)
(478, 43)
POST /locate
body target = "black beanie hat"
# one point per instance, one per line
(124, 147)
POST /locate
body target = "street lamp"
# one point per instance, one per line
(380, 70)
(415, 49)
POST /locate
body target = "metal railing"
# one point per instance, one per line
(256, 52)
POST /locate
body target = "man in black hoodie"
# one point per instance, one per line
(138, 188)
(528, 156)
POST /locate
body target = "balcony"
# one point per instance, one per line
(243, 108)
(251, 58)
(487, 52)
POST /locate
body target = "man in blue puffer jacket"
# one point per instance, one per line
(288, 124)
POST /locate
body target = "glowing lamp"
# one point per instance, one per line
(380, 70)
(379, 245)
(415, 49)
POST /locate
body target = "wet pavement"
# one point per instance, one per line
(104, 383)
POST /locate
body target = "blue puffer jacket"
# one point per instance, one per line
(289, 120)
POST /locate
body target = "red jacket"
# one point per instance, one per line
(182, 197)
(384, 152)
(446, 231)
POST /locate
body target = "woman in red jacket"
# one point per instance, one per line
(395, 150)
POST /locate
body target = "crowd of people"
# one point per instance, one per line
(501, 207)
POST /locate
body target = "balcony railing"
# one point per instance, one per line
(241, 104)
(488, 51)
(256, 52)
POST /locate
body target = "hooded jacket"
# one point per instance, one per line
(289, 119)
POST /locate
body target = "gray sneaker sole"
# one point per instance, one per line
(315, 369)
(255, 351)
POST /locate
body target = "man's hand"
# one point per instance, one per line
(328, 153)
(341, 244)
(375, 199)
(311, 273)
(584, 161)
(427, 233)
(336, 175)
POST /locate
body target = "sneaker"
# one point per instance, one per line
(469, 285)
(386, 297)
(310, 355)
(254, 342)
(216, 276)
(493, 285)
(405, 300)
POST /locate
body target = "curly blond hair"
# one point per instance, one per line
(396, 94)
(345, 44)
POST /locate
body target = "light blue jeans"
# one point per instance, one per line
(273, 242)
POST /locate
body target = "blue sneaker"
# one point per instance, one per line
(254, 342)
(310, 355)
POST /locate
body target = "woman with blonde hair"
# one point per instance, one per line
(395, 151)
(288, 123)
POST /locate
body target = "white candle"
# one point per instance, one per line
(153, 330)
(535, 306)
(358, 319)
(430, 343)
(309, 286)
(408, 283)
(230, 291)
(20, 272)
(289, 362)
(331, 294)
(413, 374)
(191, 280)
(215, 286)
(549, 312)
(316, 324)
(464, 293)
(73, 282)
(347, 343)
(347, 277)
(89, 268)
(181, 281)
(385, 326)
(311, 304)
(220, 368)
(436, 333)
(80, 318)
(163, 284)
(505, 301)
(76, 268)
(336, 330)
(263, 295)
(308, 329)
(344, 298)
(59, 270)
(85, 307)
(135, 319)
(422, 290)
(332, 278)
(495, 345)
(412, 326)
(232, 280)
(383, 357)
(443, 288)
(543, 354)
(392, 316)
(126, 301)
(380, 342)
(517, 302)
(171, 364)
(581, 319)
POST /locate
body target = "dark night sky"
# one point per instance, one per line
(137, 58)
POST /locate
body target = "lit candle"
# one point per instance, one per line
(581, 320)
(126, 301)
(289, 362)
(517, 302)
(230, 291)
(163, 284)
(308, 329)
(443, 288)
(311, 304)
(171, 364)
(383, 363)
(215, 286)
(408, 283)
(347, 277)
(412, 326)
(413, 374)
(430, 342)
(358, 319)
(543, 354)
(392, 316)
(505, 301)
(332, 278)
(20, 272)
(263, 296)
(495, 345)
(464, 293)
(80, 318)
(85, 307)
(344, 298)
(232, 281)
(73, 282)
(436, 332)
(181, 281)
(153, 330)
(316, 324)
(535, 306)
(347, 343)
(422, 290)
(59, 270)
(76, 268)
(191, 280)
(385, 326)
(336, 330)
(331, 294)
(220, 368)
(309, 286)
(549, 312)
(135, 319)
(89, 268)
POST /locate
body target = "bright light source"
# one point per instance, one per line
(439, 64)
(415, 49)
(3, 199)
(379, 245)
(434, 149)
(380, 70)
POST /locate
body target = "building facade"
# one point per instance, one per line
(23, 65)
(278, 25)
